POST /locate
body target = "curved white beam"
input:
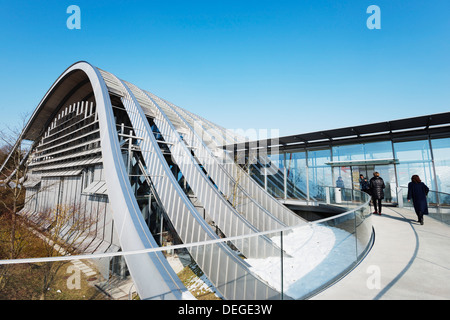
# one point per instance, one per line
(157, 280)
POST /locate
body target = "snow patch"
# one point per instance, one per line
(314, 254)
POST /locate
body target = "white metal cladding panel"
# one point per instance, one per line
(67, 192)
(31, 198)
(252, 187)
(168, 190)
(215, 204)
(189, 212)
(49, 196)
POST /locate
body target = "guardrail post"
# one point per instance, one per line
(338, 195)
(400, 197)
(281, 264)
(327, 195)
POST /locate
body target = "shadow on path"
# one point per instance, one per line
(414, 256)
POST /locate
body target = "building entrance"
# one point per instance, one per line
(348, 176)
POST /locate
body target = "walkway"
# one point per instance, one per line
(408, 261)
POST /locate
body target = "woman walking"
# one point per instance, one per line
(376, 185)
(417, 192)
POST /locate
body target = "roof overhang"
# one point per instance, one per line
(436, 125)
(68, 89)
(372, 162)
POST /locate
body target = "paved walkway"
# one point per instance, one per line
(408, 261)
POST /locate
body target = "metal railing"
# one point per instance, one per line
(438, 204)
(313, 256)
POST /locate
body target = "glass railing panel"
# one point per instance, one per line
(364, 230)
(438, 204)
(303, 260)
(77, 279)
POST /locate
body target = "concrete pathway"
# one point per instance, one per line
(408, 261)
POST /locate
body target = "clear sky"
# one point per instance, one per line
(296, 66)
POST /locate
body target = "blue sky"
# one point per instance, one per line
(294, 66)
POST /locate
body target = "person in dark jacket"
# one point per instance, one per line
(417, 192)
(363, 184)
(376, 185)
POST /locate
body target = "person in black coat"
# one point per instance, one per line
(417, 192)
(376, 185)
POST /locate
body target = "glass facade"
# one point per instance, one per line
(414, 158)
(441, 154)
(310, 170)
(367, 151)
(275, 182)
(296, 172)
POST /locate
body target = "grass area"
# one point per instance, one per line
(192, 277)
(25, 282)
(28, 281)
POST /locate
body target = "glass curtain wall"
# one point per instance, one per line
(275, 182)
(319, 172)
(396, 162)
(296, 172)
(441, 155)
(379, 151)
(305, 171)
(414, 158)
(349, 176)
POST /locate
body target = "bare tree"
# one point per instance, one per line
(12, 194)
(65, 230)
(236, 196)
(12, 174)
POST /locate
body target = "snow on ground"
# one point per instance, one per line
(201, 284)
(316, 255)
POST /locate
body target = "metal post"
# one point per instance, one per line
(281, 265)
(285, 176)
(434, 173)
(395, 168)
(356, 239)
(161, 227)
(129, 156)
(307, 175)
(400, 197)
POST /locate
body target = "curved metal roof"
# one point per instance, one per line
(69, 88)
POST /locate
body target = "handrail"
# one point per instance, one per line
(442, 195)
(177, 246)
(358, 239)
(438, 204)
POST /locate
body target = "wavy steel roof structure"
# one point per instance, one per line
(122, 152)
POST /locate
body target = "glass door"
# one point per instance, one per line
(343, 179)
(348, 177)
(387, 172)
